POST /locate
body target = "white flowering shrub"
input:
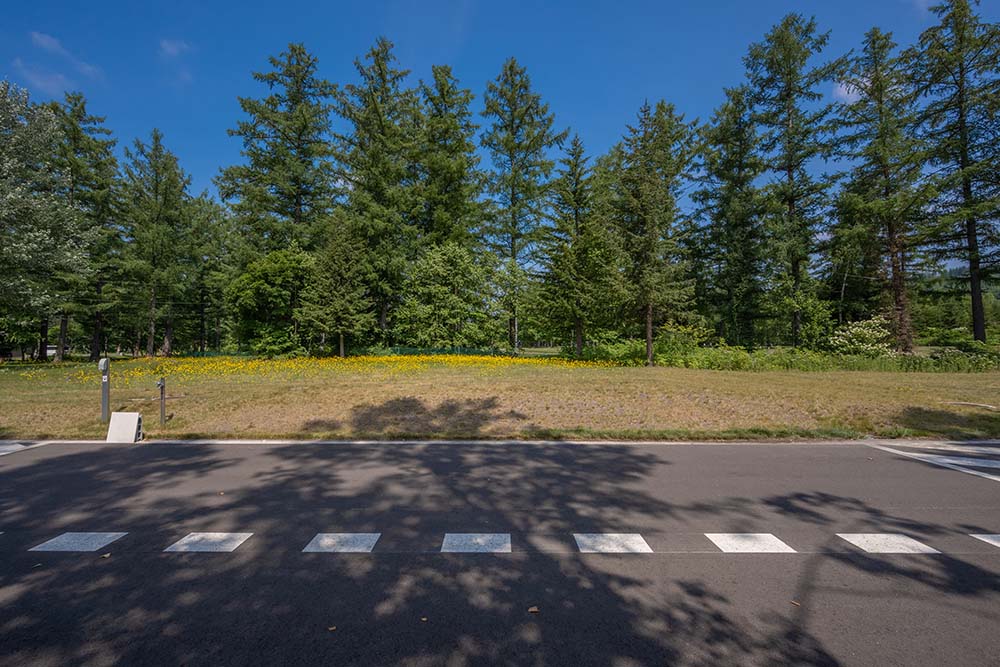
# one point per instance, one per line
(867, 338)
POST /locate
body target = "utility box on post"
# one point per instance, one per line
(125, 427)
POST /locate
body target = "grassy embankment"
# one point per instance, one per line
(483, 397)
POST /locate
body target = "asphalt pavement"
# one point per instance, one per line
(863, 553)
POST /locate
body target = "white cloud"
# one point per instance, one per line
(843, 92)
(51, 83)
(171, 48)
(54, 46)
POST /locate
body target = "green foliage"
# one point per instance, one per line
(517, 142)
(796, 132)
(377, 162)
(449, 183)
(581, 286)
(956, 67)
(732, 242)
(335, 300)
(657, 153)
(447, 301)
(265, 298)
(285, 187)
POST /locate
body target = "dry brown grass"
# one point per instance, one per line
(497, 400)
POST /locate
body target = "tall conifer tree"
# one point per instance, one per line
(795, 134)
(658, 151)
(377, 159)
(884, 198)
(957, 67)
(518, 140)
(732, 206)
(285, 188)
(449, 182)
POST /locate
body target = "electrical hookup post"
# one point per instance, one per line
(104, 366)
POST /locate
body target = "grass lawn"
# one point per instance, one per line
(492, 398)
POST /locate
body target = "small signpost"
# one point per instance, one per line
(104, 366)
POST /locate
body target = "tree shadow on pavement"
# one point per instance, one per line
(406, 604)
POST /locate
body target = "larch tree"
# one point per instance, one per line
(85, 159)
(154, 207)
(377, 164)
(956, 67)
(449, 183)
(885, 196)
(658, 152)
(732, 208)
(518, 140)
(581, 271)
(285, 187)
(795, 133)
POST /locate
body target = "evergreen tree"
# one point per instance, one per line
(447, 301)
(335, 300)
(517, 140)
(580, 280)
(885, 198)
(377, 159)
(42, 238)
(211, 242)
(86, 161)
(658, 152)
(154, 193)
(733, 237)
(450, 183)
(957, 67)
(795, 134)
(285, 188)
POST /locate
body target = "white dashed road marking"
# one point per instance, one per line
(476, 543)
(611, 543)
(758, 543)
(355, 543)
(989, 539)
(79, 542)
(205, 542)
(887, 543)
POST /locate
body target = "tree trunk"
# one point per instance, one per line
(43, 339)
(578, 335)
(151, 341)
(342, 344)
(168, 337)
(649, 334)
(202, 326)
(63, 330)
(95, 340)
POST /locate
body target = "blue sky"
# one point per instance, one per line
(180, 66)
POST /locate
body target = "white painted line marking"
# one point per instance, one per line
(79, 542)
(887, 543)
(989, 539)
(354, 543)
(611, 543)
(476, 543)
(931, 459)
(757, 543)
(206, 542)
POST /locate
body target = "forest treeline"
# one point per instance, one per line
(376, 212)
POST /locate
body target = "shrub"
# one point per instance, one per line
(868, 338)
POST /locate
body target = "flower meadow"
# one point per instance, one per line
(126, 373)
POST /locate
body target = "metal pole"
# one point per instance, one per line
(162, 384)
(104, 366)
